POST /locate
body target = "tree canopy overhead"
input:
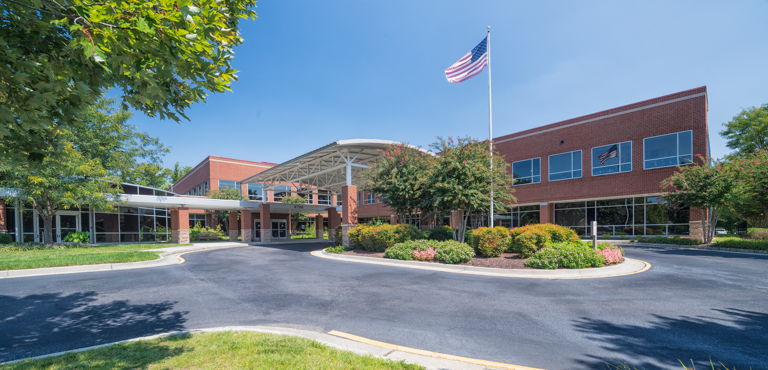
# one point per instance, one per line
(57, 57)
(748, 131)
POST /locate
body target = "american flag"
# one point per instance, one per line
(613, 152)
(470, 64)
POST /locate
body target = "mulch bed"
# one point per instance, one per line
(505, 261)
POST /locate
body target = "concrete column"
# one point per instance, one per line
(246, 225)
(233, 226)
(348, 212)
(393, 219)
(266, 223)
(319, 226)
(3, 222)
(179, 225)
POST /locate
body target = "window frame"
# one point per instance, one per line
(235, 187)
(677, 144)
(370, 198)
(532, 176)
(592, 165)
(549, 165)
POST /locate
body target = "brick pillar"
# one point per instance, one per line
(348, 212)
(319, 226)
(266, 223)
(180, 225)
(333, 222)
(393, 219)
(545, 213)
(696, 225)
(246, 225)
(233, 226)
(3, 222)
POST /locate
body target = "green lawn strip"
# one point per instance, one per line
(110, 253)
(225, 350)
(738, 243)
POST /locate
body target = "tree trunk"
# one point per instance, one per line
(47, 229)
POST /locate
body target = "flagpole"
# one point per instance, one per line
(490, 122)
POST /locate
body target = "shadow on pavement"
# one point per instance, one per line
(297, 246)
(661, 343)
(46, 323)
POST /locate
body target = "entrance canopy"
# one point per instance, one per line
(330, 167)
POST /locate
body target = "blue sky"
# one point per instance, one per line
(314, 72)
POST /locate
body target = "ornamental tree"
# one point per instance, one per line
(400, 178)
(748, 131)
(58, 57)
(703, 185)
(462, 179)
(752, 183)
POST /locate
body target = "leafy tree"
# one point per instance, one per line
(400, 178)
(462, 179)
(705, 185)
(752, 184)
(58, 57)
(148, 174)
(178, 172)
(748, 132)
(226, 193)
(80, 165)
(296, 217)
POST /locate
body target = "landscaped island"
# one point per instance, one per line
(541, 246)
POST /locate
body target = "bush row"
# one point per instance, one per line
(575, 255)
(525, 240)
(662, 240)
(448, 251)
(758, 245)
(377, 238)
(757, 234)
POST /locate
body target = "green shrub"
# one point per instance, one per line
(198, 228)
(336, 250)
(663, 240)
(623, 237)
(5, 238)
(757, 234)
(78, 237)
(759, 245)
(490, 241)
(574, 255)
(448, 251)
(337, 235)
(378, 238)
(441, 234)
(752, 230)
(532, 241)
(557, 233)
(468, 236)
(451, 251)
(606, 236)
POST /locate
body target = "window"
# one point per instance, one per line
(338, 200)
(668, 150)
(256, 192)
(624, 216)
(565, 166)
(323, 197)
(617, 158)
(358, 198)
(371, 198)
(227, 184)
(280, 192)
(194, 218)
(527, 171)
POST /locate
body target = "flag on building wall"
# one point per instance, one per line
(612, 152)
(470, 64)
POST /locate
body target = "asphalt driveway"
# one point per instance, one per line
(689, 305)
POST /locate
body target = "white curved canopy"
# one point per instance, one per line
(329, 167)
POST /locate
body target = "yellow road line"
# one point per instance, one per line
(420, 352)
(317, 253)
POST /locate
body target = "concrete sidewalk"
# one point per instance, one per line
(169, 257)
(628, 267)
(429, 360)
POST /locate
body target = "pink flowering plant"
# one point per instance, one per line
(448, 251)
(612, 256)
(426, 255)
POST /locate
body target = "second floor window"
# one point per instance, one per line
(612, 158)
(527, 171)
(565, 166)
(256, 192)
(668, 150)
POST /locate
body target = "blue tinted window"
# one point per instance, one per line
(527, 171)
(565, 166)
(668, 150)
(612, 158)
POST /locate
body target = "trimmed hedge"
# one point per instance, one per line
(530, 242)
(757, 245)
(5, 239)
(573, 255)
(662, 240)
(448, 251)
(378, 238)
(542, 236)
(490, 241)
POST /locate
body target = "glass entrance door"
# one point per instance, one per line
(65, 224)
(279, 229)
(257, 229)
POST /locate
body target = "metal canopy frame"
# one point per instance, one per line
(327, 168)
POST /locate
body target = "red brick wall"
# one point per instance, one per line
(213, 169)
(180, 219)
(349, 199)
(370, 210)
(682, 115)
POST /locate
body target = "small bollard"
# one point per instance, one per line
(594, 234)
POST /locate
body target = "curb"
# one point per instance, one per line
(338, 340)
(167, 258)
(693, 247)
(629, 267)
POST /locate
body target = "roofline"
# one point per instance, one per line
(624, 109)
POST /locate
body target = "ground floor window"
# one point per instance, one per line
(195, 218)
(624, 216)
(517, 216)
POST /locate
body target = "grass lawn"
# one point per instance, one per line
(732, 241)
(110, 253)
(225, 350)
